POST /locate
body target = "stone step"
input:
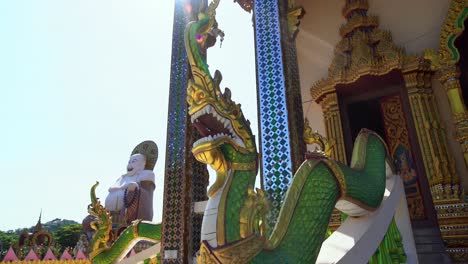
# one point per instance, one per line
(429, 246)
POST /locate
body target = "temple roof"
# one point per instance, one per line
(10, 255)
(66, 256)
(49, 255)
(31, 256)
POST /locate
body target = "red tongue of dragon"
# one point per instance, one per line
(208, 125)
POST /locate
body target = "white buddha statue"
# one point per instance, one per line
(134, 180)
(131, 196)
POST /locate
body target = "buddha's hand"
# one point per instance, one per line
(131, 186)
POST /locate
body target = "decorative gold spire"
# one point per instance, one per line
(39, 224)
(355, 13)
(363, 50)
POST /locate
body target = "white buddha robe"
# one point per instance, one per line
(115, 198)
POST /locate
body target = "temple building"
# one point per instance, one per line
(39, 237)
(399, 68)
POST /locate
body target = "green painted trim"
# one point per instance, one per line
(462, 17)
(451, 39)
(451, 46)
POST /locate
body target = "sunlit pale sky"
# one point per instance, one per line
(82, 83)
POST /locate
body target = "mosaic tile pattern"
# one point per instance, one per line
(293, 91)
(199, 181)
(175, 184)
(185, 179)
(277, 165)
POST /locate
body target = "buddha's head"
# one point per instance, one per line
(136, 163)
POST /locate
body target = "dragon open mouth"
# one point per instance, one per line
(213, 127)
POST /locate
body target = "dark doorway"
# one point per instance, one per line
(365, 114)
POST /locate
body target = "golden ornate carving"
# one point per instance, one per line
(335, 220)
(458, 254)
(333, 126)
(452, 28)
(397, 138)
(395, 123)
(354, 6)
(253, 213)
(210, 154)
(206, 256)
(316, 138)
(453, 218)
(237, 252)
(370, 52)
(357, 22)
(437, 159)
(295, 13)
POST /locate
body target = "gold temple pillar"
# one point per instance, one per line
(449, 77)
(438, 161)
(333, 127)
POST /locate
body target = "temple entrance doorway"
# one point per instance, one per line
(385, 111)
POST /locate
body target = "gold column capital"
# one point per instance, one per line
(449, 73)
(418, 79)
(330, 102)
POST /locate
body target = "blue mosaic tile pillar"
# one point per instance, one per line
(185, 179)
(280, 108)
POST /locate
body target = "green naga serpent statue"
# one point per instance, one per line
(233, 228)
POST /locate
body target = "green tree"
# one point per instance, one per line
(68, 236)
(7, 239)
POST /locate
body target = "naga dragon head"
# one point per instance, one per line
(101, 225)
(227, 140)
(218, 119)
